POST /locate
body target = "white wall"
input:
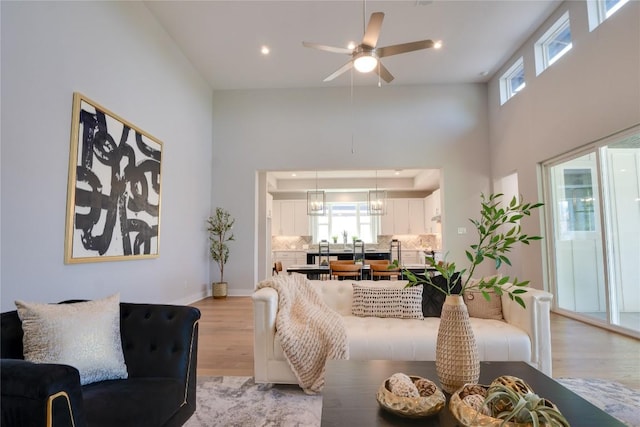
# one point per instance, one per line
(393, 126)
(508, 185)
(590, 93)
(116, 54)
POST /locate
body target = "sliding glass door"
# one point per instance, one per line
(594, 201)
(579, 255)
(622, 205)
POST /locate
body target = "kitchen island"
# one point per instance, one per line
(345, 254)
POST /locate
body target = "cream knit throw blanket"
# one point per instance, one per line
(310, 332)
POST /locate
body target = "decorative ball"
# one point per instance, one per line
(473, 389)
(401, 385)
(425, 387)
(476, 401)
(513, 383)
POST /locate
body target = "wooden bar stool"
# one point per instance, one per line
(342, 270)
(380, 270)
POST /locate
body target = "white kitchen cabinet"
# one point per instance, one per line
(404, 216)
(300, 219)
(428, 210)
(269, 205)
(400, 216)
(386, 221)
(432, 212)
(416, 216)
(289, 218)
(275, 218)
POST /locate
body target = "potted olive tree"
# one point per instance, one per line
(219, 227)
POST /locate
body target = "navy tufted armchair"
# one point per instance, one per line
(160, 345)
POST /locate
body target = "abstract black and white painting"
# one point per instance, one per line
(113, 195)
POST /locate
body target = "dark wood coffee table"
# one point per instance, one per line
(349, 394)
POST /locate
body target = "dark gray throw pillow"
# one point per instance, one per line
(433, 299)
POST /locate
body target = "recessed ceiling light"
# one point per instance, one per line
(294, 174)
(264, 50)
(438, 44)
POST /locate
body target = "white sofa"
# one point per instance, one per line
(523, 335)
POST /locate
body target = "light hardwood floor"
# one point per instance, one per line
(579, 350)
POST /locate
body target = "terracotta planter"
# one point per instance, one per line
(219, 290)
(457, 361)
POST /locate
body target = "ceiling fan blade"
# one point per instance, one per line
(372, 33)
(403, 48)
(383, 72)
(332, 49)
(344, 68)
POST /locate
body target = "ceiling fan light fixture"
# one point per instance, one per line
(365, 63)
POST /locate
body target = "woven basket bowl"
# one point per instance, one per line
(411, 407)
(469, 417)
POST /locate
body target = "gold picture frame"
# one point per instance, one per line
(113, 192)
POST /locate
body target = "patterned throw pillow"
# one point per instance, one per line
(402, 303)
(85, 335)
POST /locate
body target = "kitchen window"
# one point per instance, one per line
(350, 217)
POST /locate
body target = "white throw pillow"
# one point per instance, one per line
(85, 335)
(403, 303)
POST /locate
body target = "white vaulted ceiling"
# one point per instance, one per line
(223, 38)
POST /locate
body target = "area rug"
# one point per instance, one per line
(613, 398)
(240, 402)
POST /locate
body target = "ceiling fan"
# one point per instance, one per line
(366, 56)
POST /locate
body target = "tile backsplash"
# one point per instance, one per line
(282, 243)
(409, 241)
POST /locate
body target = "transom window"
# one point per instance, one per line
(512, 81)
(553, 44)
(350, 217)
(600, 10)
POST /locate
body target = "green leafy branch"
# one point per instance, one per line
(498, 231)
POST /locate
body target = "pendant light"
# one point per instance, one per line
(377, 200)
(316, 201)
